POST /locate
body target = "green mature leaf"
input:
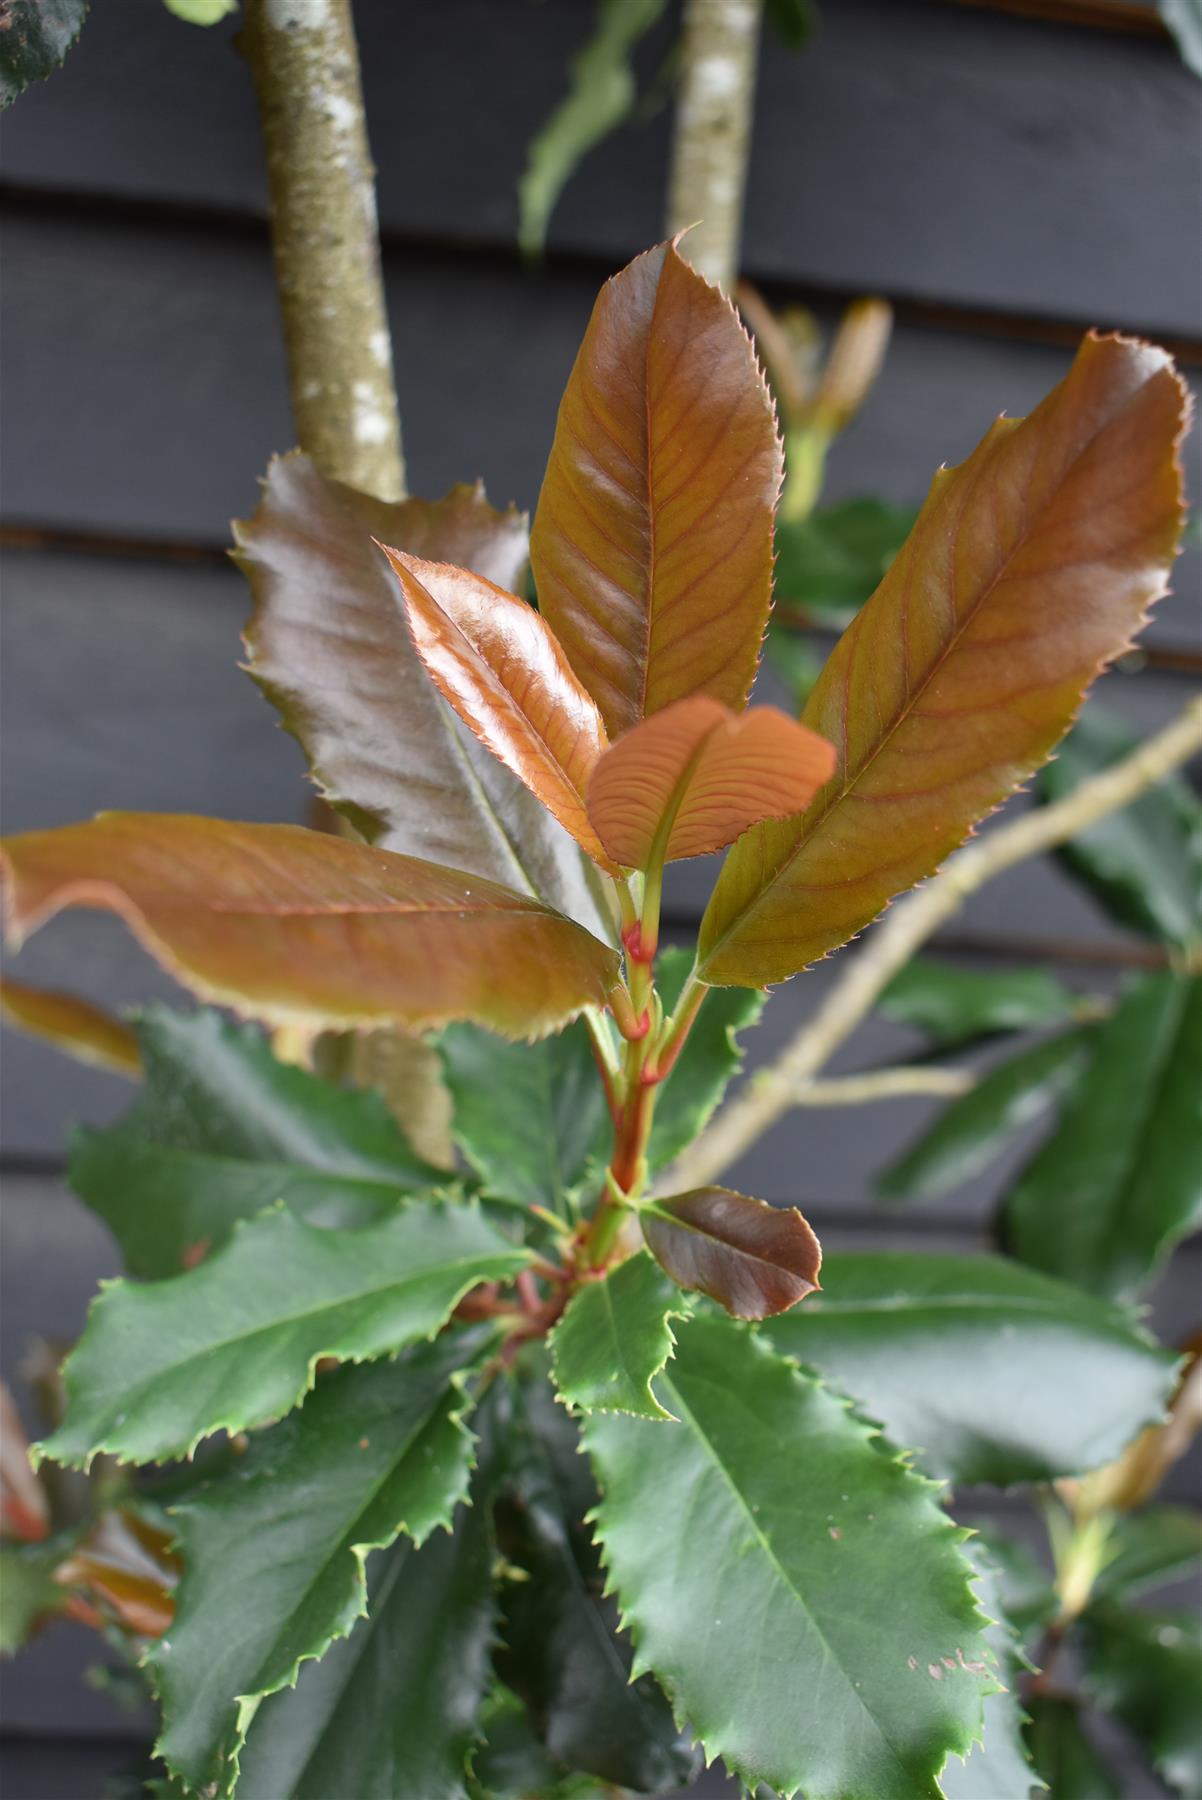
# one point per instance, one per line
(1184, 20)
(953, 683)
(615, 1338)
(392, 1710)
(1001, 1766)
(1149, 1548)
(832, 561)
(1146, 1668)
(1106, 1198)
(795, 659)
(1024, 1586)
(279, 1542)
(967, 1135)
(562, 1650)
(510, 1763)
(222, 1130)
(600, 97)
(1144, 863)
(531, 1119)
(201, 12)
(383, 746)
(953, 1006)
(991, 1371)
(794, 21)
(782, 1650)
(35, 38)
(709, 1061)
(28, 1590)
(1063, 1753)
(233, 1344)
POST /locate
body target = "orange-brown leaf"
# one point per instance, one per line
(752, 1258)
(652, 544)
(698, 775)
(126, 1563)
(290, 925)
(1030, 567)
(84, 1031)
(497, 662)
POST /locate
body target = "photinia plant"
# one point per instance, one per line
(397, 1573)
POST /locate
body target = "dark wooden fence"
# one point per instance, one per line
(1005, 179)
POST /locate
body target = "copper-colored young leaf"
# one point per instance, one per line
(1031, 565)
(328, 644)
(84, 1031)
(127, 1564)
(497, 662)
(286, 924)
(752, 1258)
(697, 774)
(652, 544)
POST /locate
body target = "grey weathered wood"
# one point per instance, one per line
(936, 152)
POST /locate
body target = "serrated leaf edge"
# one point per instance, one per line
(679, 1308)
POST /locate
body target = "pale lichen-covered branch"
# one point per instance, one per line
(712, 132)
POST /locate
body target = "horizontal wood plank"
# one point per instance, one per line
(930, 151)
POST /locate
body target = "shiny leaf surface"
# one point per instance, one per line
(652, 544)
(1144, 863)
(615, 1338)
(35, 37)
(221, 1131)
(1146, 1668)
(752, 1258)
(328, 644)
(953, 1353)
(392, 1710)
(296, 926)
(1031, 566)
(690, 779)
(1120, 1182)
(972, 1130)
(953, 1005)
(1001, 1765)
(710, 1060)
(777, 1650)
(279, 1541)
(84, 1031)
(228, 1346)
(531, 1119)
(562, 1649)
(496, 661)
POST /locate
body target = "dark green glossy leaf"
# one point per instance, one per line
(531, 1119)
(1063, 1753)
(752, 1546)
(36, 36)
(28, 1591)
(1184, 20)
(989, 1370)
(954, 1006)
(233, 1344)
(614, 1339)
(277, 1544)
(510, 1763)
(222, 1130)
(601, 95)
(831, 562)
(1024, 1585)
(1144, 863)
(1106, 1198)
(1149, 1548)
(709, 1061)
(563, 1653)
(391, 1711)
(1000, 1768)
(1146, 1668)
(969, 1133)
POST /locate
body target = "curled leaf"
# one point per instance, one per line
(290, 925)
(695, 776)
(752, 1258)
(652, 545)
(75, 1026)
(497, 662)
(1030, 567)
